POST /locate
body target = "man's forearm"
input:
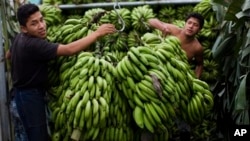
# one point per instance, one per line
(8, 54)
(198, 71)
(155, 23)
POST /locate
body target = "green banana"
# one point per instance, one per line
(154, 113)
(147, 124)
(159, 111)
(138, 115)
(137, 100)
(88, 110)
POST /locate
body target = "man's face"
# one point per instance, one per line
(35, 26)
(192, 27)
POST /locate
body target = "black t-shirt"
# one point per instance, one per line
(29, 59)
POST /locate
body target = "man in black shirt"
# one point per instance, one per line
(29, 54)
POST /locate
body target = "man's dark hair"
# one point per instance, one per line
(197, 16)
(24, 12)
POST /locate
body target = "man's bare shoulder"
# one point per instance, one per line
(198, 47)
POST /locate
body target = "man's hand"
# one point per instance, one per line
(165, 30)
(105, 29)
(163, 27)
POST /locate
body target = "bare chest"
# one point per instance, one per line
(189, 48)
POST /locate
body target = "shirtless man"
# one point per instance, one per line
(193, 24)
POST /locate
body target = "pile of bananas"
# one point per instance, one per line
(156, 79)
(84, 96)
(135, 76)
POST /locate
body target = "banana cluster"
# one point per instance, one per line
(84, 95)
(135, 76)
(204, 130)
(210, 71)
(134, 39)
(52, 14)
(204, 7)
(210, 28)
(116, 41)
(72, 30)
(170, 17)
(140, 16)
(156, 80)
(119, 123)
(200, 103)
(115, 18)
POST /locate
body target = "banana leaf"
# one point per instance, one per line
(233, 7)
(241, 102)
(225, 3)
(245, 57)
(219, 12)
(246, 5)
(223, 44)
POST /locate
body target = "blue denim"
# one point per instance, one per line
(19, 131)
(31, 109)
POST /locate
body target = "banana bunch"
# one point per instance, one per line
(201, 102)
(182, 11)
(71, 30)
(151, 39)
(134, 39)
(157, 82)
(83, 104)
(116, 134)
(170, 16)
(205, 131)
(149, 87)
(204, 7)
(51, 14)
(179, 23)
(175, 43)
(118, 126)
(116, 41)
(140, 16)
(210, 28)
(53, 32)
(210, 72)
(124, 14)
(117, 54)
(93, 16)
(162, 136)
(53, 76)
(207, 52)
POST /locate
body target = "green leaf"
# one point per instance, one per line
(223, 44)
(240, 111)
(243, 14)
(225, 3)
(246, 5)
(234, 7)
(240, 99)
(219, 11)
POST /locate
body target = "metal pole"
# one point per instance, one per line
(4, 112)
(135, 3)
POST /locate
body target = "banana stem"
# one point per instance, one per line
(98, 49)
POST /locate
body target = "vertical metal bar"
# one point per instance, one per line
(4, 110)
